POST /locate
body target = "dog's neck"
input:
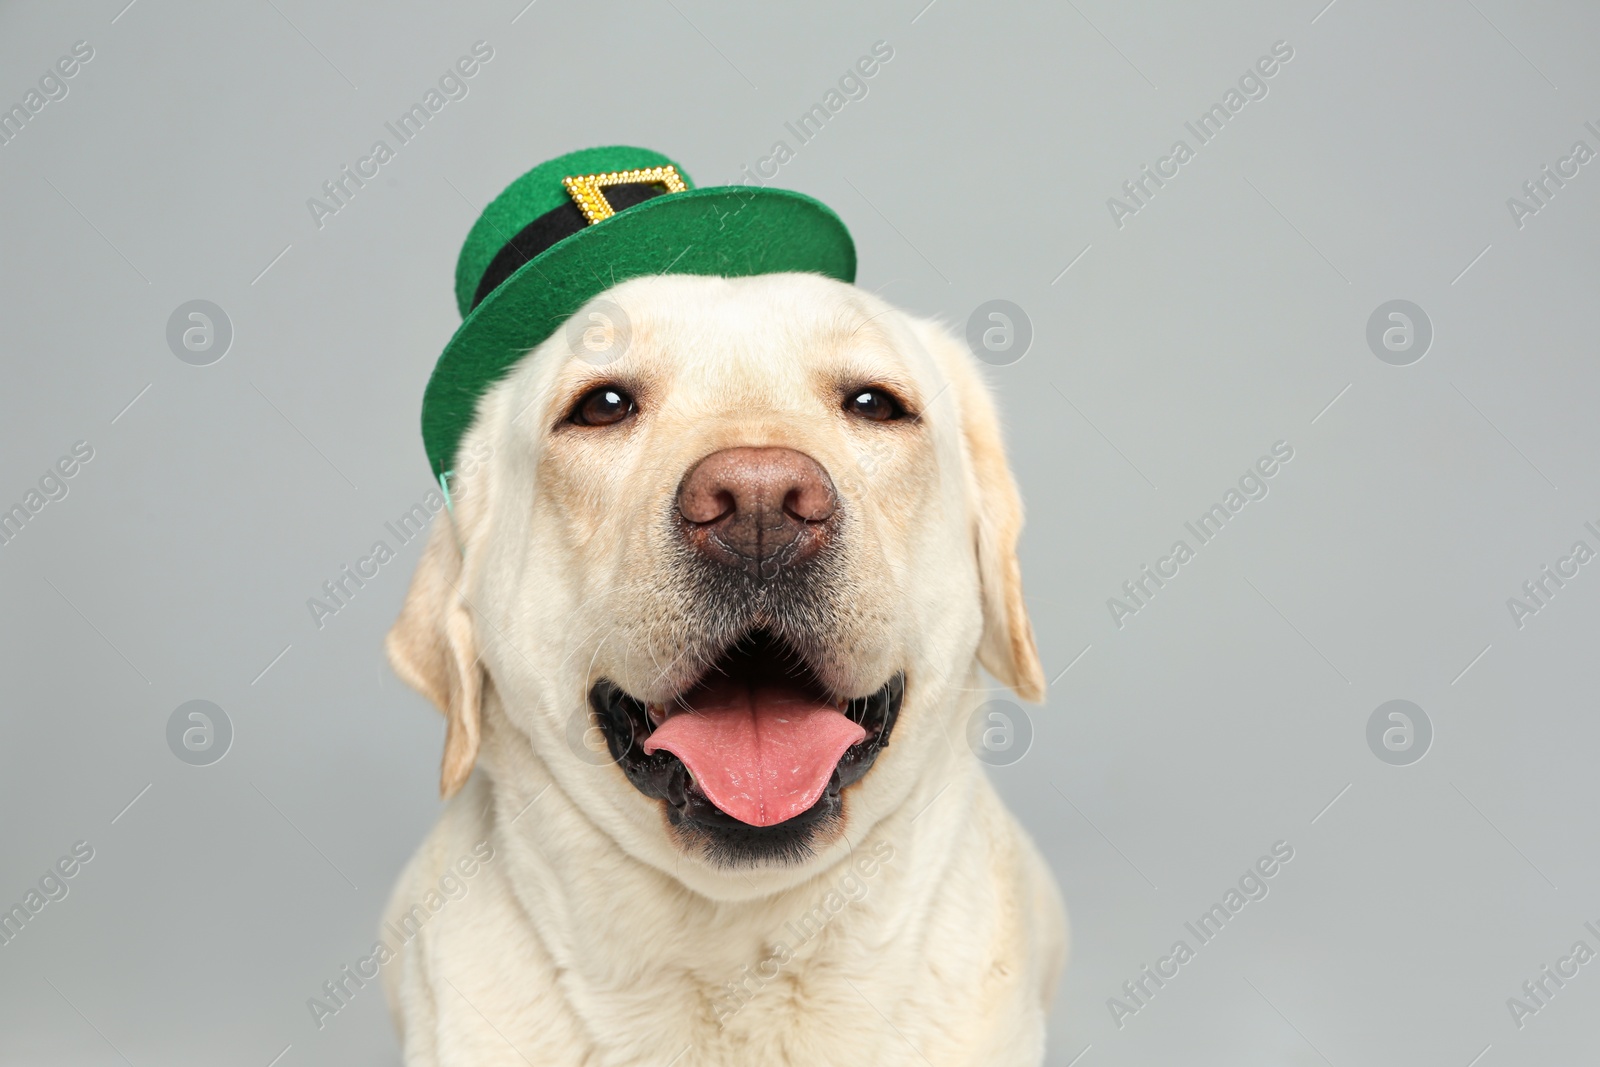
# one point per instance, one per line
(585, 894)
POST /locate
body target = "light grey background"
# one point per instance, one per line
(1225, 316)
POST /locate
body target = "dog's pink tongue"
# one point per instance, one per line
(761, 754)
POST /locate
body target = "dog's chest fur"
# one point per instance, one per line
(581, 954)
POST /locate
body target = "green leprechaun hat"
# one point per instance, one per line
(581, 223)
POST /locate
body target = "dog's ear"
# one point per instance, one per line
(433, 648)
(1007, 648)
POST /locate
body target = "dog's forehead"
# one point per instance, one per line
(783, 326)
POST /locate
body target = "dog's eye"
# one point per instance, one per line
(875, 404)
(602, 407)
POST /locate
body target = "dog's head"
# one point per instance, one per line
(746, 531)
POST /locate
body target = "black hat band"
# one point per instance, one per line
(554, 225)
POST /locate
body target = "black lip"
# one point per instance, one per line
(720, 837)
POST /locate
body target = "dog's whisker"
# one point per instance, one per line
(596, 654)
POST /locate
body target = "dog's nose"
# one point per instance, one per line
(757, 508)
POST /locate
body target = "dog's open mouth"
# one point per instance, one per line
(756, 752)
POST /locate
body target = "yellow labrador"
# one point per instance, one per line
(690, 590)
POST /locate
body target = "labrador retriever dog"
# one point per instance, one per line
(705, 620)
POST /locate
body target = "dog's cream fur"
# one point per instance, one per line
(926, 929)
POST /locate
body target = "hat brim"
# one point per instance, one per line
(729, 231)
